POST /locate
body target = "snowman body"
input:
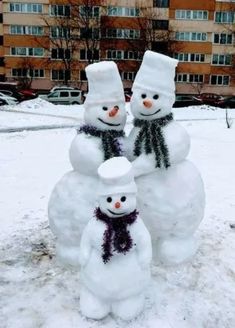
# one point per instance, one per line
(73, 198)
(171, 198)
(118, 284)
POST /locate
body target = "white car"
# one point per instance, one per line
(8, 99)
(64, 97)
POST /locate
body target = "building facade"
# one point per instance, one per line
(50, 42)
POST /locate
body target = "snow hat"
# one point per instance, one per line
(156, 73)
(116, 176)
(104, 83)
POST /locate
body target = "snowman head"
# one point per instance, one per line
(154, 87)
(117, 204)
(105, 101)
(117, 189)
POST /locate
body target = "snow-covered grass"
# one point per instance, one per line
(36, 292)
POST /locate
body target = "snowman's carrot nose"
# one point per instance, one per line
(117, 205)
(147, 103)
(114, 111)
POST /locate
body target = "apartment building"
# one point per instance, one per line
(38, 39)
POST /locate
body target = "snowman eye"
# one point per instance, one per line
(123, 198)
(155, 96)
(143, 95)
(105, 108)
(109, 199)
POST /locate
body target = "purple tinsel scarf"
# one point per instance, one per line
(116, 234)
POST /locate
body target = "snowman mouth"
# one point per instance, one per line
(116, 213)
(110, 124)
(157, 111)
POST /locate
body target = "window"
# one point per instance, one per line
(123, 55)
(83, 76)
(60, 53)
(123, 11)
(191, 36)
(129, 76)
(160, 24)
(122, 33)
(161, 3)
(34, 8)
(19, 72)
(1, 18)
(184, 57)
(2, 61)
(60, 32)
(1, 40)
(89, 11)
(36, 73)
(88, 54)
(224, 17)
(22, 51)
(223, 38)
(189, 78)
(89, 33)
(60, 75)
(219, 79)
(60, 10)
(218, 59)
(191, 14)
(22, 29)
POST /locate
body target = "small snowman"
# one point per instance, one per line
(115, 250)
(73, 198)
(171, 194)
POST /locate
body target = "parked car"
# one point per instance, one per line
(128, 94)
(8, 99)
(62, 87)
(64, 97)
(28, 94)
(211, 99)
(2, 102)
(185, 101)
(13, 93)
(228, 102)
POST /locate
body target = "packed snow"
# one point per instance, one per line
(37, 292)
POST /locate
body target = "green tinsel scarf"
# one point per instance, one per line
(151, 139)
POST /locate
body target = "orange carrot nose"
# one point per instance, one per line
(147, 103)
(113, 111)
(117, 205)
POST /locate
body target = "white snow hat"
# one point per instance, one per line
(116, 176)
(104, 83)
(156, 73)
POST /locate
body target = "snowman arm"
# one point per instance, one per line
(85, 154)
(144, 164)
(85, 245)
(178, 143)
(143, 245)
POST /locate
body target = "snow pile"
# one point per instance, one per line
(36, 292)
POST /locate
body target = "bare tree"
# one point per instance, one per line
(70, 29)
(26, 66)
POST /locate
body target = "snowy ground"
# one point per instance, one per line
(36, 292)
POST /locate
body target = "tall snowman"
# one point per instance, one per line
(171, 194)
(115, 251)
(73, 199)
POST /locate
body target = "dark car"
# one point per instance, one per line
(2, 102)
(185, 101)
(13, 93)
(128, 94)
(211, 99)
(228, 102)
(28, 94)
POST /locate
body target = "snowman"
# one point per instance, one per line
(115, 250)
(170, 189)
(73, 199)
